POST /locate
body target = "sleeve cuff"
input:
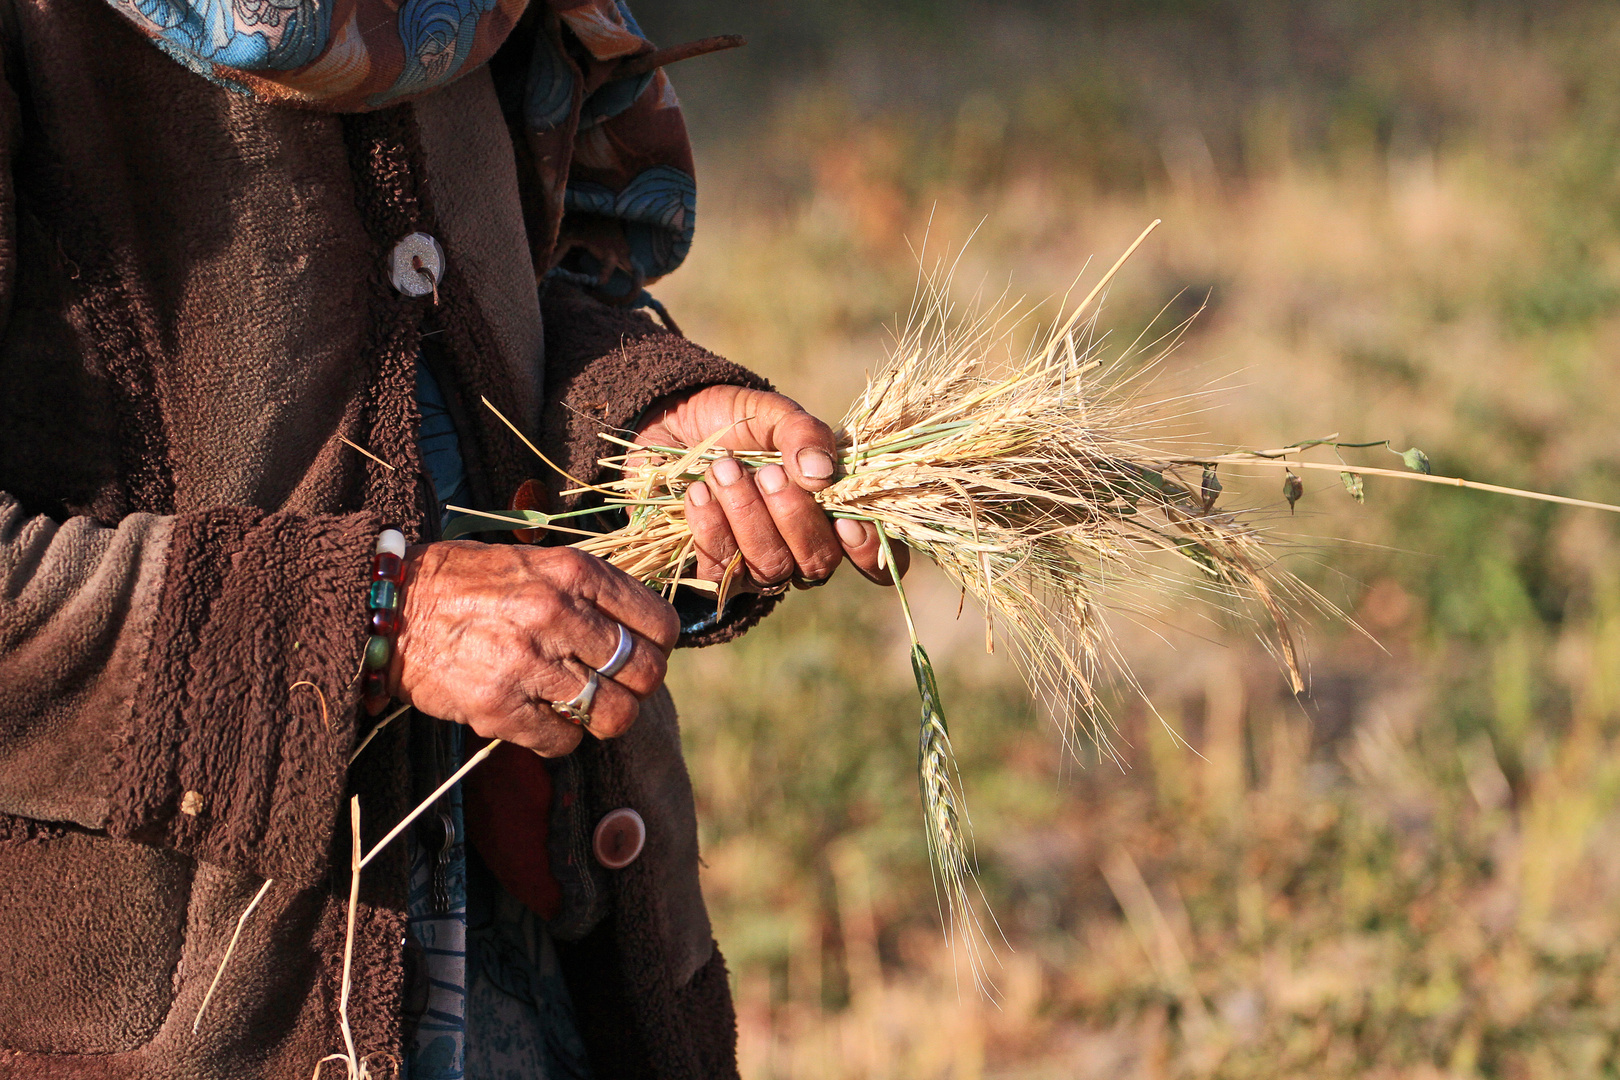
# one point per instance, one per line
(230, 756)
(604, 367)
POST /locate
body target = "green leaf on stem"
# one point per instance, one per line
(466, 524)
(1352, 483)
(1415, 459)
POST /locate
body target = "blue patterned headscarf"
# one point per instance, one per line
(338, 55)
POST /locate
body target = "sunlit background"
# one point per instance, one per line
(1405, 218)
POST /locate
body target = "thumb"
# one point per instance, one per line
(807, 445)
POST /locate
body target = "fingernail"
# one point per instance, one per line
(815, 464)
(772, 478)
(850, 531)
(727, 471)
(699, 493)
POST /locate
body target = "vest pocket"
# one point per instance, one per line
(90, 935)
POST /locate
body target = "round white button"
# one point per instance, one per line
(416, 265)
(619, 838)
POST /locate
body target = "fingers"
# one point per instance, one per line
(518, 713)
(779, 528)
(537, 725)
(750, 420)
(580, 636)
(613, 711)
(710, 531)
(801, 522)
(861, 545)
(492, 634)
(808, 448)
(753, 530)
(623, 599)
(549, 735)
(641, 674)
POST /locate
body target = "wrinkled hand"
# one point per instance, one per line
(768, 514)
(491, 633)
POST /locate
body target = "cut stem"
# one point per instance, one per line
(455, 778)
(229, 950)
(899, 589)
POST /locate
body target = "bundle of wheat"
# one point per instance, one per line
(1040, 480)
(1032, 477)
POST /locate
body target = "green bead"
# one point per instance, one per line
(379, 651)
(384, 596)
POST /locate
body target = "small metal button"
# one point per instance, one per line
(619, 838)
(416, 265)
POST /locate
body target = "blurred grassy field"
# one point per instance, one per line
(1406, 219)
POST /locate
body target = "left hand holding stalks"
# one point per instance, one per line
(770, 514)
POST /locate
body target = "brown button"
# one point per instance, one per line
(619, 838)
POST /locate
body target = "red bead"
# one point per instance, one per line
(388, 567)
(374, 694)
(385, 623)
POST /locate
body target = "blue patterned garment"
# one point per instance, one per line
(498, 1008)
(438, 1051)
(438, 36)
(337, 55)
(520, 1016)
(439, 1048)
(438, 445)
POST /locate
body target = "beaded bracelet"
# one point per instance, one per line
(383, 600)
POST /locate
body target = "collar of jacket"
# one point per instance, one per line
(585, 65)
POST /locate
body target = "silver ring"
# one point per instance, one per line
(621, 654)
(776, 588)
(578, 708)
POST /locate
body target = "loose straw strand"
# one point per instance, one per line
(426, 803)
(1081, 307)
(229, 950)
(356, 446)
(375, 731)
(355, 865)
(566, 475)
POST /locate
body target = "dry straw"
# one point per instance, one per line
(1030, 476)
(1040, 480)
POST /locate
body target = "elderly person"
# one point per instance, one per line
(260, 261)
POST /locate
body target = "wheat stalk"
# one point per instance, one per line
(1040, 480)
(1030, 476)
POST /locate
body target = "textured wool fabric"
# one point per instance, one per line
(81, 601)
(183, 538)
